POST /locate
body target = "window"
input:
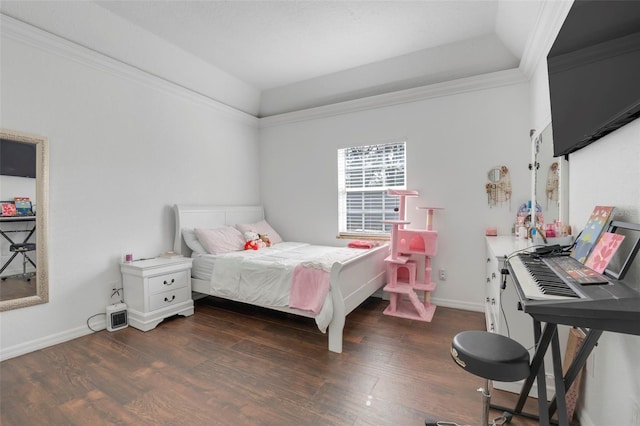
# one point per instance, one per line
(364, 175)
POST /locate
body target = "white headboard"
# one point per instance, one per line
(210, 217)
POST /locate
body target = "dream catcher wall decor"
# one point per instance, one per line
(553, 181)
(499, 186)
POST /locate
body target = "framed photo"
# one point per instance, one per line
(8, 209)
(22, 206)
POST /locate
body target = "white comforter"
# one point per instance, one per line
(263, 277)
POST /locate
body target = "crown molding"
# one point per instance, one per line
(551, 16)
(448, 88)
(52, 44)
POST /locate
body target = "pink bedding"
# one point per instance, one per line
(309, 288)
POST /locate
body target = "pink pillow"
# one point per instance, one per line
(262, 228)
(220, 240)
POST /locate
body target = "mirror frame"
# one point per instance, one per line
(563, 170)
(495, 174)
(42, 202)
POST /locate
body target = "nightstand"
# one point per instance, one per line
(155, 289)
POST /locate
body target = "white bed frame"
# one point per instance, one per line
(352, 282)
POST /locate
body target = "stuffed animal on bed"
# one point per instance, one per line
(265, 239)
(253, 241)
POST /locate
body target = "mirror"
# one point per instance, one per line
(499, 186)
(24, 280)
(494, 174)
(549, 184)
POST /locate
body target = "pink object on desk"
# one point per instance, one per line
(491, 232)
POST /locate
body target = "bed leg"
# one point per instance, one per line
(335, 335)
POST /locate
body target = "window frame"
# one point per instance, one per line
(389, 204)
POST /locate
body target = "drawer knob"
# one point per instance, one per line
(166, 299)
(173, 280)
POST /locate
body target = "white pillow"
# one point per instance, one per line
(190, 239)
(262, 228)
(220, 240)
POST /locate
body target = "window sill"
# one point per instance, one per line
(372, 237)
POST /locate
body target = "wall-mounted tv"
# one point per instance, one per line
(17, 158)
(594, 72)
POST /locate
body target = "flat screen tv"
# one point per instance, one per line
(594, 73)
(17, 158)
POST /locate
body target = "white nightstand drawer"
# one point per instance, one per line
(167, 282)
(168, 298)
(155, 289)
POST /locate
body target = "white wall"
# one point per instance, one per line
(124, 147)
(607, 172)
(425, 67)
(452, 142)
(604, 173)
(95, 25)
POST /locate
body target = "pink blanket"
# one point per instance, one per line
(361, 244)
(309, 288)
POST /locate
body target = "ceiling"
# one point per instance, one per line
(300, 54)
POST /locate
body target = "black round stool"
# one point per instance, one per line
(491, 356)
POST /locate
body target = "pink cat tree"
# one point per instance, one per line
(407, 245)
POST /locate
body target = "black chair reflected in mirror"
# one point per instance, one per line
(23, 249)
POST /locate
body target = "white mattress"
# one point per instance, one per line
(265, 282)
(202, 265)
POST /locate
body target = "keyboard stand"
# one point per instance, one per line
(562, 383)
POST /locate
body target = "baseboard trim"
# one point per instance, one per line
(54, 339)
(457, 304)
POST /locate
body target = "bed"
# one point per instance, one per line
(351, 281)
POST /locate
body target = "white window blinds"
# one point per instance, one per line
(364, 175)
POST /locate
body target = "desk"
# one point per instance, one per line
(5, 233)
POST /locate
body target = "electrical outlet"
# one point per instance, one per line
(443, 274)
(116, 292)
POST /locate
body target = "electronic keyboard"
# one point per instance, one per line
(554, 277)
(561, 290)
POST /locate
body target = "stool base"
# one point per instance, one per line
(484, 420)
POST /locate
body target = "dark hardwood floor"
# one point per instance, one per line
(16, 287)
(232, 364)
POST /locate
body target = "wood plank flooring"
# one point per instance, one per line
(233, 364)
(17, 287)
